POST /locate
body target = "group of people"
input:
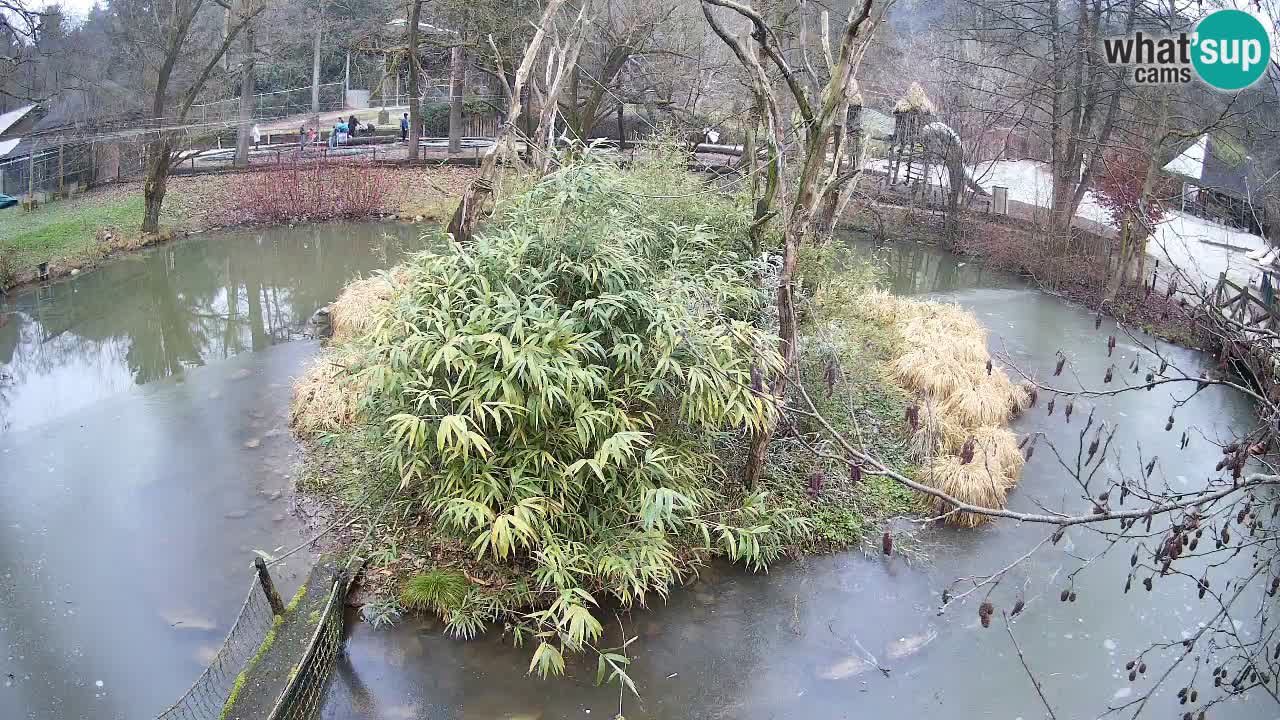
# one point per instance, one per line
(340, 134)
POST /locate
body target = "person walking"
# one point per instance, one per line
(353, 126)
(404, 128)
(302, 137)
(257, 136)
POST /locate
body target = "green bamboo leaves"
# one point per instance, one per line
(557, 390)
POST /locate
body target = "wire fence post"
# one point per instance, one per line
(268, 587)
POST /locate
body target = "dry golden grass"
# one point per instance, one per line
(933, 373)
(930, 438)
(326, 397)
(975, 483)
(980, 401)
(356, 309)
(942, 356)
(994, 446)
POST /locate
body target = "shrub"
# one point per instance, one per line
(1119, 188)
(556, 392)
(8, 268)
(309, 191)
(437, 590)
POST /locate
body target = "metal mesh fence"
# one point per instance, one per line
(305, 692)
(206, 697)
(271, 106)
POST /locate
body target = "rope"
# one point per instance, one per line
(350, 517)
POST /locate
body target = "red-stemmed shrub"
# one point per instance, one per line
(1119, 188)
(307, 191)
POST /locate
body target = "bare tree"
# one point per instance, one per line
(820, 109)
(19, 30)
(477, 198)
(165, 38)
(457, 91)
(1050, 72)
(247, 100)
(415, 77)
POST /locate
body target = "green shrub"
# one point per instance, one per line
(556, 391)
(437, 590)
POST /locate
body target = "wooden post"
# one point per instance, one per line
(268, 587)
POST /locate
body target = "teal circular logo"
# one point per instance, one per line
(1232, 49)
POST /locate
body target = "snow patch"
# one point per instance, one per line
(1191, 162)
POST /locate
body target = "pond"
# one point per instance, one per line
(803, 640)
(145, 456)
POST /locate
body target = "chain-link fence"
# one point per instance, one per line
(208, 695)
(54, 170)
(271, 106)
(304, 695)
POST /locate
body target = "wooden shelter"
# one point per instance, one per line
(908, 163)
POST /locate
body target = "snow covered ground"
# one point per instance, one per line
(1190, 243)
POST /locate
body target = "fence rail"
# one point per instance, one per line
(1244, 306)
(304, 695)
(273, 105)
(207, 696)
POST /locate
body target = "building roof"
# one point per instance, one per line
(1211, 163)
(12, 117)
(8, 145)
(1190, 162)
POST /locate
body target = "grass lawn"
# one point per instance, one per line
(63, 233)
(65, 229)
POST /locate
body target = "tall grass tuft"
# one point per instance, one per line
(942, 356)
(441, 591)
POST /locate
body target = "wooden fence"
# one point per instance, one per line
(1244, 305)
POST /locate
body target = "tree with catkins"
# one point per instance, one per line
(1174, 517)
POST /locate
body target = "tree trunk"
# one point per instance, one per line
(153, 188)
(244, 133)
(457, 80)
(315, 67)
(415, 79)
(622, 133)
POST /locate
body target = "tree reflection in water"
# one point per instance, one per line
(152, 315)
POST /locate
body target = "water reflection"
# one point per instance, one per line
(147, 457)
(914, 268)
(154, 315)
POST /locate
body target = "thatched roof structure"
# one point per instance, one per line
(915, 101)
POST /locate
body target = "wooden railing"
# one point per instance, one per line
(1244, 305)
